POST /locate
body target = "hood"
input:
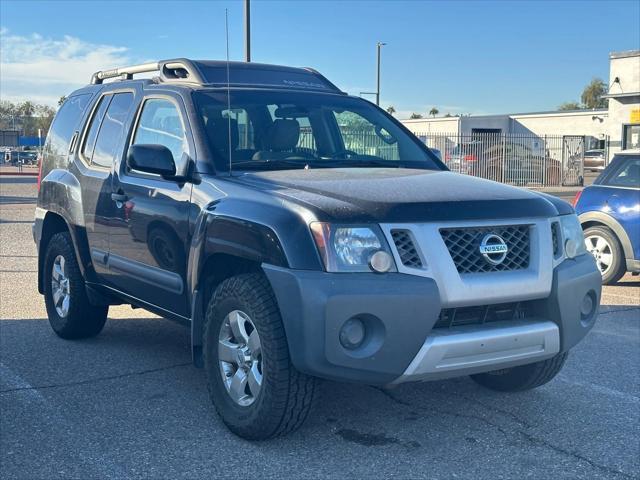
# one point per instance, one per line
(402, 195)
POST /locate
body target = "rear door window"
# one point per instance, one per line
(109, 140)
(94, 127)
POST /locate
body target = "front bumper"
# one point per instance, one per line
(400, 312)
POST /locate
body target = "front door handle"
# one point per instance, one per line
(119, 197)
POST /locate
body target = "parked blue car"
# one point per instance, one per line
(609, 211)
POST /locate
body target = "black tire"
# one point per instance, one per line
(617, 269)
(525, 377)
(286, 395)
(83, 320)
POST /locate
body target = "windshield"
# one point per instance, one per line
(286, 130)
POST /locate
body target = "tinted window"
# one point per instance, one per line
(627, 174)
(108, 143)
(65, 123)
(291, 130)
(160, 124)
(94, 127)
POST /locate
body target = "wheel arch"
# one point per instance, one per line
(52, 224)
(592, 219)
(223, 247)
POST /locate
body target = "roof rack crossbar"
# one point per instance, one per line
(101, 75)
(169, 70)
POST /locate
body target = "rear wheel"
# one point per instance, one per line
(607, 251)
(68, 308)
(252, 383)
(522, 378)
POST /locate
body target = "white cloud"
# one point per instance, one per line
(43, 69)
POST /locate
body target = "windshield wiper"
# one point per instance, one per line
(271, 163)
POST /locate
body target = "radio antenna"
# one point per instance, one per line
(226, 28)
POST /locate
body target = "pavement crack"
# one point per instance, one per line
(630, 309)
(96, 380)
(532, 439)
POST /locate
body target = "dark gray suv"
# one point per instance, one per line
(299, 233)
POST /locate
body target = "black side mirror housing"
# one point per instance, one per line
(148, 158)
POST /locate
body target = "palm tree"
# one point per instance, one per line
(434, 111)
(391, 110)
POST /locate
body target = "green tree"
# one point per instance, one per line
(570, 106)
(434, 111)
(61, 100)
(391, 110)
(592, 94)
(415, 115)
(26, 117)
(448, 115)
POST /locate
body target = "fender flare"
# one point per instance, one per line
(60, 195)
(215, 234)
(613, 224)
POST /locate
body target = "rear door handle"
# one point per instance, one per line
(119, 197)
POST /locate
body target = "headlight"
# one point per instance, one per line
(352, 248)
(572, 236)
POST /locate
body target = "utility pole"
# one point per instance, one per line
(247, 30)
(379, 46)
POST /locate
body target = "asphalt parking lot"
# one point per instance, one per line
(128, 403)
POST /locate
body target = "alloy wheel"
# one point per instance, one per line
(240, 358)
(601, 251)
(60, 288)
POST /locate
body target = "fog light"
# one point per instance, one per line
(352, 333)
(570, 248)
(381, 261)
(588, 305)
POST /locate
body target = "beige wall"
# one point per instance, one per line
(591, 123)
(626, 67)
(425, 126)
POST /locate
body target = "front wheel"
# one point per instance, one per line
(256, 390)
(525, 377)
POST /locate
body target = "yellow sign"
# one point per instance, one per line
(634, 117)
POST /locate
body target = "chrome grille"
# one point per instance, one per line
(464, 247)
(406, 249)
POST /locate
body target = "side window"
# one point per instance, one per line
(92, 133)
(65, 123)
(628, 175)
(109, 138)
(359, 135)
(161, 124)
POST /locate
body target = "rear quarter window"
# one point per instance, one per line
(65, 124)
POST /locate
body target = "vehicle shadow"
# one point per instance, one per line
(141, 371)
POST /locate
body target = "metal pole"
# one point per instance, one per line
(379, 45)
(247, 30)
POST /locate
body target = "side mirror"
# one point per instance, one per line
(156, 159)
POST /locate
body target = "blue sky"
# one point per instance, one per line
(461, 57)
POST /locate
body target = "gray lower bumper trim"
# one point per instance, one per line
(476, 349)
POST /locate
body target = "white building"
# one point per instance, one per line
(619, 123)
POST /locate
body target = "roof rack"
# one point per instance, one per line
(215, 74)
(170, 70)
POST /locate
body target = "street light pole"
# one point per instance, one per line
(379, 46)
(247, 30)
